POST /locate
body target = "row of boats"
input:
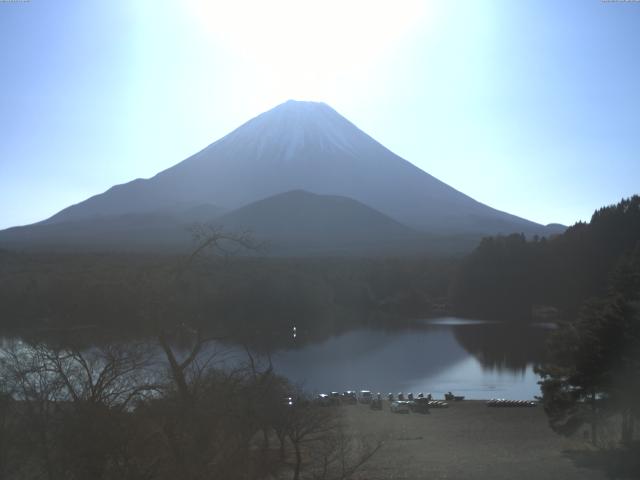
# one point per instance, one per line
(402, 402)
(501, 402)
(367, 397)
(418, 405)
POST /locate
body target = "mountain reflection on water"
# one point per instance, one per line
(477, 359)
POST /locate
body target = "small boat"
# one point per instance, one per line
(437, 404)
(450, 397)
(420, 405)
(399, 406)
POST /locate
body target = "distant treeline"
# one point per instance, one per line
(512, 277)
(506, 277)
(240, 296)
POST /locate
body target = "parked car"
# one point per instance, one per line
(400, 406)
(350, 397)
(376, 403)
(390, 397)
(335, 398)
(365, 396)
(323, 400)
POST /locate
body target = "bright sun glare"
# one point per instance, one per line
(306, 49)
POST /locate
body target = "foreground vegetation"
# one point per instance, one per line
(143, 411)
(593, 374)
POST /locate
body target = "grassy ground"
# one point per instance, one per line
(467, 441)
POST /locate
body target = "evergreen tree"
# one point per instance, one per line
(594, 363)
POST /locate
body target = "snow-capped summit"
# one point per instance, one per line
(293, 125)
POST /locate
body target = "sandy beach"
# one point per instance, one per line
(468, 440)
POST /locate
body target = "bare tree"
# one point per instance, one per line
(338, 455)
(74, 403)
(213, 240)
(26, 377)
(306, 425)
(323, 448)
(210, 241)
(112, 375)
(7, 431)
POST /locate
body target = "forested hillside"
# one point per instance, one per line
(234, 296)
(511, 277)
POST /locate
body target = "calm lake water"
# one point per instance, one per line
(479, 360)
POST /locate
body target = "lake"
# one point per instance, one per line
(479, 360)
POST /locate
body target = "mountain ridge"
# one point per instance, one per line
(302, 146)
(289, 223)
(316, 146)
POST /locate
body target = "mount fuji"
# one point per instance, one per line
(302, 147)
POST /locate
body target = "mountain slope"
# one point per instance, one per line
(291, 223)
(300, 222)
(157, 230)
(304, 146)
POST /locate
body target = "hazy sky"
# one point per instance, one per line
(531, 107)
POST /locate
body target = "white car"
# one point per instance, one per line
(400, 406)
